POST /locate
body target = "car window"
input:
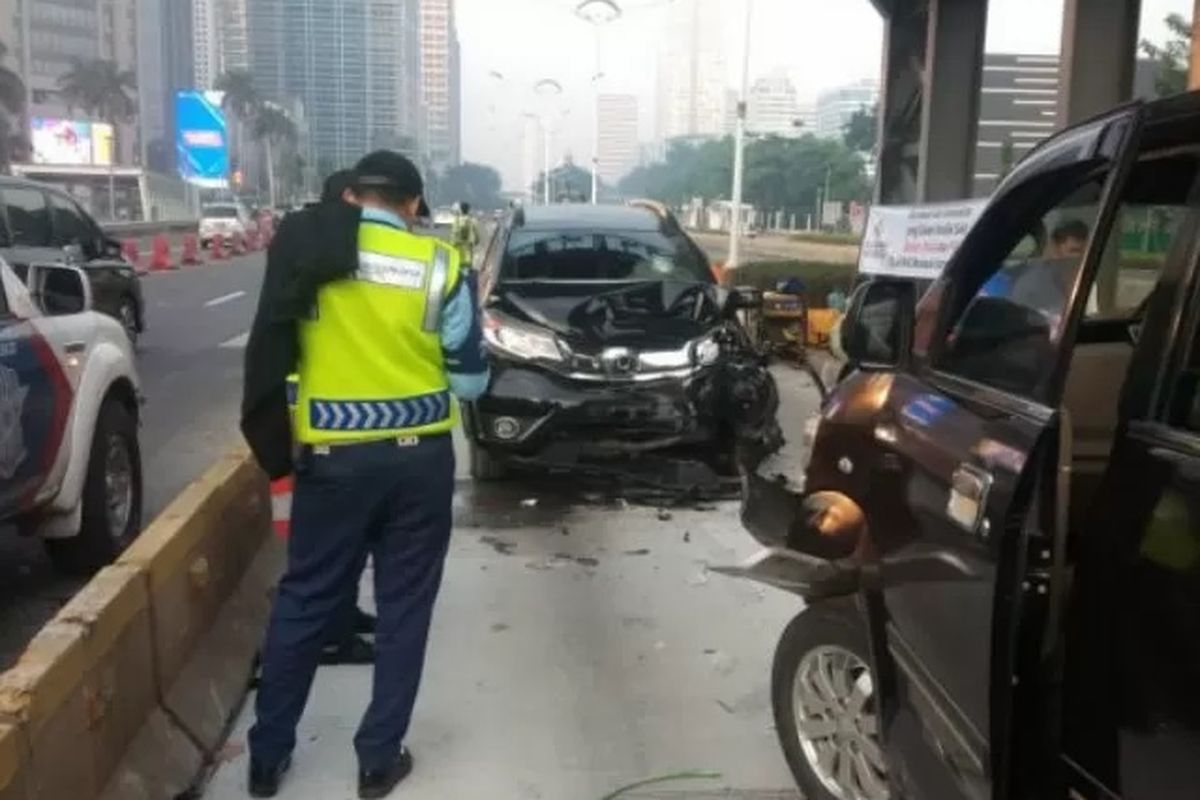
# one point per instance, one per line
(603, 256)
(1007, 334)
(1157, 201)
(70, 226)
(28, 217)
(1184, 407)
(221, 212)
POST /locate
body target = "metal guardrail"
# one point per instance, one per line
(120, 229)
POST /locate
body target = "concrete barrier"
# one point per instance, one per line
(126, 692)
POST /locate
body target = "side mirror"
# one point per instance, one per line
(59, 289)
(877, 328)
(746, 298)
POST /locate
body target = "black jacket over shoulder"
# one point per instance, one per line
(312, 247)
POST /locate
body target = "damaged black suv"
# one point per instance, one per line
(612, 347)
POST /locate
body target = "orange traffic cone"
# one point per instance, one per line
(191, 250)
(216, 250)
(238, 244)
(281, 506)
(160, 254)
(129, 250)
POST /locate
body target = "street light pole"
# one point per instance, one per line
(597, 13)
(739, 146)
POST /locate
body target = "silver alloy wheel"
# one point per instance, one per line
(833, 696)
(118, 485)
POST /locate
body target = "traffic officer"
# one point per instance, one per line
(465, 234)
(379, 358)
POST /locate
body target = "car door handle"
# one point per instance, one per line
(75, 348)
(969, 487)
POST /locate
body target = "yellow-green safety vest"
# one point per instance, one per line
(371, 364)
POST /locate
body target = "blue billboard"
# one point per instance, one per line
(202, 139)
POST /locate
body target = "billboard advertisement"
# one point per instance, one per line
(202, 139)
(71, 142)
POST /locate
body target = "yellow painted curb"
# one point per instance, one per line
(12, 773)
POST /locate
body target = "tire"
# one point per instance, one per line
(112, 505)
(822, 668)
(127, 315)
(486, 467)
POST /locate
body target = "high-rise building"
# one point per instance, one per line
(45, 37)
(618, 151)
(772, 108)
(1018, 107)
(353, 67)
(692, 99)
(441, 84)
(165, 66)
(220, 39)
(836, 106)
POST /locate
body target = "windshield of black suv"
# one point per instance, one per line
(610, 255)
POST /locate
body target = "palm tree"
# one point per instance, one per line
(12, 107)
(101, 89)
(241, 101)
(273, 126)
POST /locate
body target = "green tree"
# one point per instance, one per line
(241, 101)
(1172, 59)
(477, 184)
(862, 129)
(102, 89)
(781, 174)
(275, 129)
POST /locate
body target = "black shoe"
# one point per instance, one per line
(364, 622)
(265, 779)
(354, 650)
(374, 784)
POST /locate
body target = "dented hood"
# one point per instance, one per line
(651, 314)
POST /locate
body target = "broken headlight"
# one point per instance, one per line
(706, 352)
(520, 341)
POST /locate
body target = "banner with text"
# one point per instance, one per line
(915, 241)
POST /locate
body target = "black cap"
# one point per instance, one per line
(336, 185)
(386, 169)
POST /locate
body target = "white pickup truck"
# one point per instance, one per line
(70, 465)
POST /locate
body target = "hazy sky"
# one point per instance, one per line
(820, 43)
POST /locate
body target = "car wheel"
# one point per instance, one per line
(112, 496)
(826, 714)
(486, 466)
(128, 317)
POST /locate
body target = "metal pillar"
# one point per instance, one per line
(950, 99)
(1194, 72)
(905, 26)
(1099, 54)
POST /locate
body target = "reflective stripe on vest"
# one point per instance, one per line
(435, 294)
(379, 415)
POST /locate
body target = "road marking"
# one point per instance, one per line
(225, 298)
(236, 343)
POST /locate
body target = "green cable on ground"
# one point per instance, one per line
(694, 775)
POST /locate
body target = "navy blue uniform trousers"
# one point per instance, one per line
(385, 499)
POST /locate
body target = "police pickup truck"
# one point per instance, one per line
(70, 466)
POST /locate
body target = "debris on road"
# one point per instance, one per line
(664, 515)
(499, 545)
(529, 502)
(687, 537)
(641, 551)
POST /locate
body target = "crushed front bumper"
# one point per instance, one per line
(533, 414)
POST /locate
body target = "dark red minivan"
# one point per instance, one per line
(997, 535)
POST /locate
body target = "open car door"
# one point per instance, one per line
(959, 475)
